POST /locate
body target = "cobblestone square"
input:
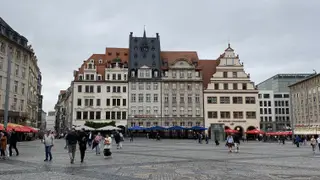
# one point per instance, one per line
(165, 160)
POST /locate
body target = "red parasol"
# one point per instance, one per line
(255, 131)
(230, 131)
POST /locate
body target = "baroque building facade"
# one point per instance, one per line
(182, 97)
(100, 89)
(144, 81)
(25, 99)
(230, 97)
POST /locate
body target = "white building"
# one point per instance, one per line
(267, 110)
(100, 89)
(50, 120)
(231, 97)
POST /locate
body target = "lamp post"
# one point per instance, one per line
(8, 83)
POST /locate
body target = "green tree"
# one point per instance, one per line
(96, 125)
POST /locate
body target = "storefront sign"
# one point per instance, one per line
(144, 116)
(232, 121)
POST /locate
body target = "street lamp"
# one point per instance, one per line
(7, 99)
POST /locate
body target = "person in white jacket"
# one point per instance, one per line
(48, 141)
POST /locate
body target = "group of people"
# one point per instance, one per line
(83, 140)
(233, 141)
(7, 142)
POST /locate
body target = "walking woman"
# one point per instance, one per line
(3, 143)
(107, 146)
(230, 142)
(313, 143)
(48, 141)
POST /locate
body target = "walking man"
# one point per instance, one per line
(48, 141)
(13, 143)
(83, 139)
(71, 139)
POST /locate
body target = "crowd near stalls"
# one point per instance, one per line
(174, 132)
(24, 133)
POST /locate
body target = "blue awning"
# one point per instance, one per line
(137, 128)
(198, 128)
(177, 128)
(157, 128)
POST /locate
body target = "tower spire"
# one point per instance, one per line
(144, 31)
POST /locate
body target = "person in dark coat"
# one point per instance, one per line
(117, 138)
(72, 139)
(236, 139)
(13, 143)
(83, 140)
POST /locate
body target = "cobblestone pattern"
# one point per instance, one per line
(166, 160)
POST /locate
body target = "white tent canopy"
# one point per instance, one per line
(84, 127)
(108, 128)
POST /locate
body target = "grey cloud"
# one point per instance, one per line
(270, 36)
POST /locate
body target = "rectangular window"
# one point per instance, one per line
(250, 100)
(114, 102)
(118, 114)
(238, 115)
(118, 89)
(261, 110)
(98, 102)
(108, 102)
(212, 114)
(108, 89)
(91, 115)
(155, 86)
(22, 87)
(141, 86)
(174, 98)
(118, 102)
(124, 89)
(148, 86)
(251, 114)
(140, 97)
(79, 102)
(87, 89)
(189, 87)
(79, 115)
(224, 100)
(166, 98)
(114, 89)
(237, 100)
(98, 89)
(108, 115)
(114, 77)
(181, 98)
(79, 88)
(113, 115)
(148, 97)
(92, 77)
(133, 97)
(17, 70)
(235, 86)
(234, 74)
(189, 98)
(216, 86)
(225, 86)
(225, 74)
(91, 89)
(133, 86)
(266, 96)
(98, 115)
(197, 99)
(85, 115)
(124, 115)
(155, 98)
(225, 115)
(23, 73)
(119, 76)
(244, 86)
(91, 102)
(212, 100)
(124, 102)
(16, 86)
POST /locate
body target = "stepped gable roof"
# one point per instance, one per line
(172, 56)
(208, 69)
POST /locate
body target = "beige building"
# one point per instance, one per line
(182, 97)
(230, 96)
(305, 105)
(25, 85)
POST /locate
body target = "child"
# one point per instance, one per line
(107, 146)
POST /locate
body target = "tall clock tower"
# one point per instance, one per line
(144, 81)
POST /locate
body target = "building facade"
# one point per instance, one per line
(230, 96)
(63, 111)
(144, 81)
(24, 84)
(182, 97)
(50, 120)
(100, 89)
(305, 105)
(279, 83)
(267, 110)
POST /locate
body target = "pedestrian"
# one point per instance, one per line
(107, 146)
(313, 143)
(90, 139)
(318, 141)
(48, 141)
(207, 138)
(230, 143)
(96, 143)
(117, 139)
(72, 144)
(236, 140)
(121, 140)
(13, 143)
(83, 140)
(3, 144)
(131, 137)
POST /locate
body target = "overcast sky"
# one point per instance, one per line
(270, 36)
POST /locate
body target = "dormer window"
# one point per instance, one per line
(99, 77)
(141, 74)
(166, 73)
(100, 61)
(92, 77)
(80, 77)
(132, 73)
(108, 76)
(147, 73)
(90, 66)
(109, 53)
(92, 61)
(155, 73)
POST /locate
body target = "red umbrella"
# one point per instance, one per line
(230, 131)
(255, 131)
